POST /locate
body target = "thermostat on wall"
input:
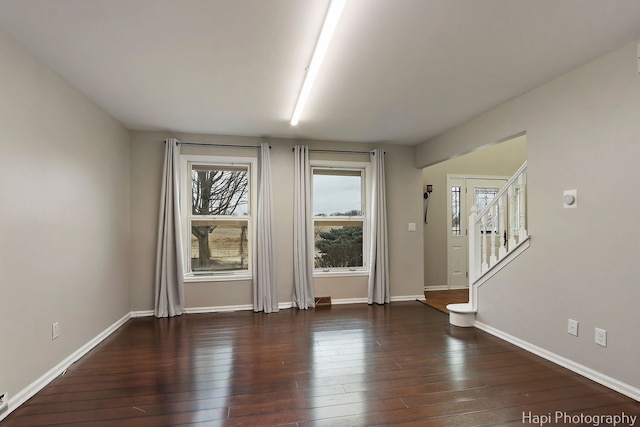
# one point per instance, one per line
(570, 199)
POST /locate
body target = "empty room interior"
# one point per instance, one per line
(233, 212)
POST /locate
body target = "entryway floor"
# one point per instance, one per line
(440, 299)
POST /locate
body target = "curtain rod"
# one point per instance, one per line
(204, 144)
(337, 151)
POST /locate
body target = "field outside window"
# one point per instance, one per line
(218, 223)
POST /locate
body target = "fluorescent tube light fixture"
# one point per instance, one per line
(328, 27)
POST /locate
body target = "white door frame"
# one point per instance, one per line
(457, 245)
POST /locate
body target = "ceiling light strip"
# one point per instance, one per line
(329, 26)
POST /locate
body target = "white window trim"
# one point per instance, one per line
(185, 204)
(366, 235)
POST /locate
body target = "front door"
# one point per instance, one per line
(463, 193)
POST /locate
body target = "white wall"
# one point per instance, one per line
(583, 132)
(64, 218)
(404, 199)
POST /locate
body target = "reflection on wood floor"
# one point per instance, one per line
(348, 365)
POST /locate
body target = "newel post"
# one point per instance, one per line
(522, 208)
(474, 254)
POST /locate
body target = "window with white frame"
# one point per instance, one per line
(217, 207)
(340, 221)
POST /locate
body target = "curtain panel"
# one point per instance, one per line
(378, 288)
(265, 297)
(169, 277)
(303, 296)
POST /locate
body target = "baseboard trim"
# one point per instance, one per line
(444, 288)
(141, 313)
(341, 301)
(33, 388)
(407, 298)
(366, 300)
(218, 309)
(227, 308)
(436, 288)
(281, 306)
(585, 371)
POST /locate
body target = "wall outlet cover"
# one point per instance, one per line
(601, 337)
(55, 330)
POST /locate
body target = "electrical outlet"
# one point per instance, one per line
(601, 337)
(572, 327)
(55, 330)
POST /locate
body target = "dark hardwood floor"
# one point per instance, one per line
(349, 365)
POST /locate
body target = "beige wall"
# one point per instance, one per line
(501, 159)
(404, 201)
(64, 218)
(583, 132)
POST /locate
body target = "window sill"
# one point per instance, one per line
(196, 278)
(340, 273)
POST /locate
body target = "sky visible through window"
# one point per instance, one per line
(336, 194)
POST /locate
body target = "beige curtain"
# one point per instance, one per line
(378, 291)
(169, 278)
(303, 297)
(265, 296)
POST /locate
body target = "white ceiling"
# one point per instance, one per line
(398, 71)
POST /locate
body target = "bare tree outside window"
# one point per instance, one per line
(219, 191)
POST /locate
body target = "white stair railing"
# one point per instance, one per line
(499, 229)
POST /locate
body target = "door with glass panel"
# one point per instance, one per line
(463, 193)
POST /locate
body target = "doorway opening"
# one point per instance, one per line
(448, 183)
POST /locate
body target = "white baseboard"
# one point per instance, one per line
(217, 309)
(340, 301)
(407, 298)
(33, 388)
(366, 300)
(444, 288)
(436, 288)
(227, 308)
(141, 313)
(281, 306)
(585, 371)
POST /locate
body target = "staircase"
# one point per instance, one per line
(497, 235)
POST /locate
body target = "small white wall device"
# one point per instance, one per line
(570, 199)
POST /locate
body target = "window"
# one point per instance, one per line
(456, 229)
(217, 214)
(339, 218)
(484, 196)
